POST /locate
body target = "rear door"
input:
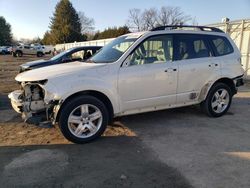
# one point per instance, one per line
(228, 57)
(196, 64)
(26, 49)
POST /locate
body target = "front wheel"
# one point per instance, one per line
(218, 100)
(83, 119)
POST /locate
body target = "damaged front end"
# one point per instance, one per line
(33, 103)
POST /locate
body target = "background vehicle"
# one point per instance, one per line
(73, 54)
(9, 49)
(20, 50)
(4, 50)
(47, 49)
(167, 67)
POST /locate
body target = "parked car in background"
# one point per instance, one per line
(4, 50)
(167, 67)
(73, 54)
(9, 49)
(47, 49)
(20, 50)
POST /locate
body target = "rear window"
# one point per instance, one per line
(221, 45)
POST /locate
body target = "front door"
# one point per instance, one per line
(150, 78)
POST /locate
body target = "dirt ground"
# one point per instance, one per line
(9, 68)
(13, 131)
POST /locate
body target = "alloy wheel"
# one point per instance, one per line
(85, 120)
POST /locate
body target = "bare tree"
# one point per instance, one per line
(164, 16)
(134, 19)
(194, 21)
(87, 23)
(176, 16)
(150, 18)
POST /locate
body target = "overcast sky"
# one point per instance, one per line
(30, 18)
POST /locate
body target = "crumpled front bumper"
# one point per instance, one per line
(16, 100)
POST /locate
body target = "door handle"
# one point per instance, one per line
(170, 70)
(213, 64)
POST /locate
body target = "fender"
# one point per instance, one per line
(206, 88)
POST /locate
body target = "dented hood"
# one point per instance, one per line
(56, 70)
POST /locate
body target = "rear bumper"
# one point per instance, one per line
(238, 81)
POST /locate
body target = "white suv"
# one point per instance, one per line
(166, 67)
(19, 51)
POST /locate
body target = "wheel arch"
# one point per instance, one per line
(99, 95)
(19, 51)
(228, 81)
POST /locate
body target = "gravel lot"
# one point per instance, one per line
(171, 148)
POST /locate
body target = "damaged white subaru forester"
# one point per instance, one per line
(167, 67)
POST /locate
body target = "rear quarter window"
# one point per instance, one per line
(221, 45)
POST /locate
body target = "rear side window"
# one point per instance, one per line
(221, 45)
(191, 47)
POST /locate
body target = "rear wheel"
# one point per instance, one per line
(39, 54)
(218, 100)
(83, 119)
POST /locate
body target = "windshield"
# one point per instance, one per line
(114, 50)
(60, 55)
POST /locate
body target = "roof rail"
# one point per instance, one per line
(172, 27)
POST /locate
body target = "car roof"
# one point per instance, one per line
(183, 29)
(187, 32)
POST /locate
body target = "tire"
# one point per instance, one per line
(19, 54)
(75, 121)
(39, 54)
(215, 105)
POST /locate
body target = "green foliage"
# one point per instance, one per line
(5, 32)
(111, 32)
(65, 25)
(47, 38)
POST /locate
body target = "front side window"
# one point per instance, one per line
(191, 47)
(157, 49)
(221, 45)
(114, 50)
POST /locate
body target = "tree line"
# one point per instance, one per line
(150, 18)
(68, 25)
(5, 32)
